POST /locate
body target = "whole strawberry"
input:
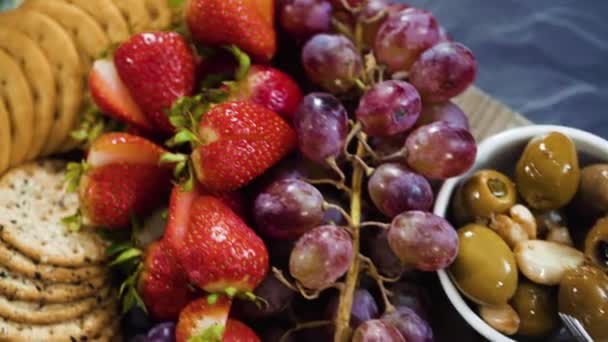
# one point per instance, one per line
(216, 249)
(239, 141)
(245, 23)
(203, 320)
(270, 88)
(157, 68)
(163, 285)
(236, 331)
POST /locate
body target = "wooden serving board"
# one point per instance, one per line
(487, 115)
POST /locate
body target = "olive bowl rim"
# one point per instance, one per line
(585, 142)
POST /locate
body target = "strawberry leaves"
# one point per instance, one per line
(74, 173)
(243, 60)
(92, 125)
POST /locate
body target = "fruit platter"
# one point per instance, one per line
(281, 171)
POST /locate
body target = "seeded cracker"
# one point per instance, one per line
(135, 13)
(107, 15)
(159, 13)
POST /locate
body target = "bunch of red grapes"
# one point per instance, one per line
(394, 69)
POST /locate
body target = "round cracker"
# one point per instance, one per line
(18, 287)
(159, 13)
(5, 138)
(18, 101)
(107, 15)
(135, 13)
(39, 74)
(85, 328)
(63, 57)
(33, 202)
(19, 263)
(90, 39)
(44, 313)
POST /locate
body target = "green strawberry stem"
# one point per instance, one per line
(342, 322)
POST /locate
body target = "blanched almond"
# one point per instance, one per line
(525, 218)
(501, 317)
(560, 235)
(545, 262)
(510, 231)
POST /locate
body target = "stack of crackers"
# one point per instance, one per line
(54, 284)
(47, 48)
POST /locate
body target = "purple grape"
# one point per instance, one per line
(395, 189)
(321, 256)
(447, 112)
(444, 71)
(423, 240)
(441, 151)
(404, 36)
(333, 216)
(305, 18)
(379, 251)
(410, 325)
(332, 62)
(162, 332)
(389, 108)
(321, 124)
(415, 297)
(276, 295)
(363, 309)
(377, 331)
(287, 209)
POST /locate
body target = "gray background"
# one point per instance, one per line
(547, 59)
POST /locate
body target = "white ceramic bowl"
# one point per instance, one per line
(501, 152)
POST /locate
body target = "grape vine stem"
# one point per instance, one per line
(342, 323)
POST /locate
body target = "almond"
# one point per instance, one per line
(545, 262)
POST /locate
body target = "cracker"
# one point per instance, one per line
(135, 13)
(5, 138)
(90, 39)
(18, 287)
(44, 313)
(18, 101)
(61, 53)
(33, 201)
(84, 328)
(39, 75)
(159, 13)
(107, 15)
(19, 263)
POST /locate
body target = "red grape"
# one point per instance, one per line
(412, 296)
(287, 209)
(443, 71)
(441, 151)
(389, 108)
(332, 62)
(321, 124)
(446, 112)
(395, 189)
(377, 331)
(304, 18)
(321, 256)
(424, 240)
(378, 250)
(276, 295)
(410, 325)
(363, 309)
(404, 36)
(373, 14)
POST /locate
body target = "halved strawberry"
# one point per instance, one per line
(113, 98)
(163, 285)
(116, 147)
(216, 249)
(236, 331)
(203, 320)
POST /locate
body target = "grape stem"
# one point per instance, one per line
(302, 326)
(374, 224)
(372, 271)
(340, 185)
(327, 205)
(401, 154)
(334, 166)
(342, 323)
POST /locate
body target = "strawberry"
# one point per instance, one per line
(122, 177)
(238, 142)
(236, 331)
(245, 23)
(271, 88)
(203, 320)
(113, 98)
(157, 69)
(216, 249)
(162, 284)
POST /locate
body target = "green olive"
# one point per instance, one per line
(592, 197)
(486, 193)
(547, 174)
(485, 269)
(583, 293)
(596, 244)
(536, 306)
